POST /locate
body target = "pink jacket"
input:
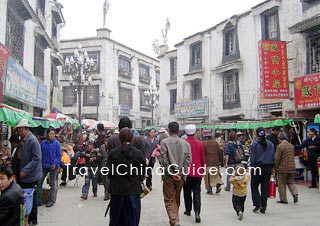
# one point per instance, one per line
(198, 159)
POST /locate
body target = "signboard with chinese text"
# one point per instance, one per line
(20, 84)
(4, 55)
(273, 70)
(196, 108)
(307, 91)
(42, 95)
(124, 110)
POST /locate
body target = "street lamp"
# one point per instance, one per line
(153, 94)
(79, 67)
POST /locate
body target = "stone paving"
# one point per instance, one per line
(216, 209)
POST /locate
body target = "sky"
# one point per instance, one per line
(137, 23)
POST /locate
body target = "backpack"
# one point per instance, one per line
(238, 155)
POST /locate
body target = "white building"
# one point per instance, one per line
(118, 84)
(214, 75)
(30, 30)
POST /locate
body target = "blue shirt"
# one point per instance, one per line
(260, 156)
(51, 153)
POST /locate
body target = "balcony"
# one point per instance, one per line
(125, 73)
(144, 79)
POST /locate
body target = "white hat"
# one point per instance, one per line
(23, 123)
(190, 129)
(239, 133)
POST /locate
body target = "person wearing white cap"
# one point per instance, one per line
(193, 182)
(29, 156)
(175, 157)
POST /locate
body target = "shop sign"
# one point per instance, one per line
(20, 84)
(273, 69)
(42, 95)
(124, 110)
(307, 91)
(196, 108)
(4, 55)
(271, 105)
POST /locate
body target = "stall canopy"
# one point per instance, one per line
(317, 118)
(240, 125)
(46, 123)
(11, 116)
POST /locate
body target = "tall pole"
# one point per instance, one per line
(152, 116)
(79, 106)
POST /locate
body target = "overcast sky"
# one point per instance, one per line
(136, 23)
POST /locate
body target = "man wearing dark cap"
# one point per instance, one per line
(273, 136)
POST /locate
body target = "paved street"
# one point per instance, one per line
(70, 211)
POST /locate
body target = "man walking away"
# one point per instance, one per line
(175, 157)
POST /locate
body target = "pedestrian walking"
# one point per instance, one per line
(125, 184)
(285, 168)
(240, 183)
(261, 157)
(51, 157)
(312, 144)
(93, 159)
(213, 158)
(29, 159)
(175, 157)
(195, 174)
(105, 179)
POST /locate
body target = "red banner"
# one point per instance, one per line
(307, 91)
(4, 55)
(273, 70)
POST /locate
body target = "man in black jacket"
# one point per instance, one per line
(11, 198)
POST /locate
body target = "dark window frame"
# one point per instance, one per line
(265, 16)
(227, 56)
(309, 69)
(194, 95)
(73, 100)
(94, 89)
(38, 61)
(173, 100)
(145, 78)
(308, 4)
(195, 61)
(231, 104)
(125, 100)
(173, 68)
(124, 71)
(143, 99)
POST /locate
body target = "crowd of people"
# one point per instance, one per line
(186, 156)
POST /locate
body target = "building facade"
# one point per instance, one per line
(30, 31)
(118, 84)
(215, 75)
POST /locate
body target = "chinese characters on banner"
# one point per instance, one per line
(4, 54)
(273, 70)
(307, 91)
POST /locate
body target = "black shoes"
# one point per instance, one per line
(188, 213)
(263, 211)
(312, 186)
(256, 209)
(281, 201)
(197, 218)
(50, 204)
(63, 184)
(295, 198)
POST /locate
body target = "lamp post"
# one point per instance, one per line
(153, 94)
(79, 67)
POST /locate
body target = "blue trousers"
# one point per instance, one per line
(125, 210)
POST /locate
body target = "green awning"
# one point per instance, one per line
(317, 118)
(44, 123)
(11, 116)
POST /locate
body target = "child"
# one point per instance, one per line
(10, 199)
(239, 180)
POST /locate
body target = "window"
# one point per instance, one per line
(54, 75)
(314, 54)
(270, 25)
(144, 101)
(196, 89)
(173, 99)
(231, 98)
(41, 11)
(157, 78)
(39, 61)
(96, 58)
(69, 96)
(91, 95)
(144, 73)
(15, 35)
(173, 68)
(124, 65)
(231, 42)
(54, 32)
(195, 56)
(125, 97)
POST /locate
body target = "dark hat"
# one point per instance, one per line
(283, 136)
(89, 142)
(260, 132)
(276, 128)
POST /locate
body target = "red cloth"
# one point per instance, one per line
(198, 159)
